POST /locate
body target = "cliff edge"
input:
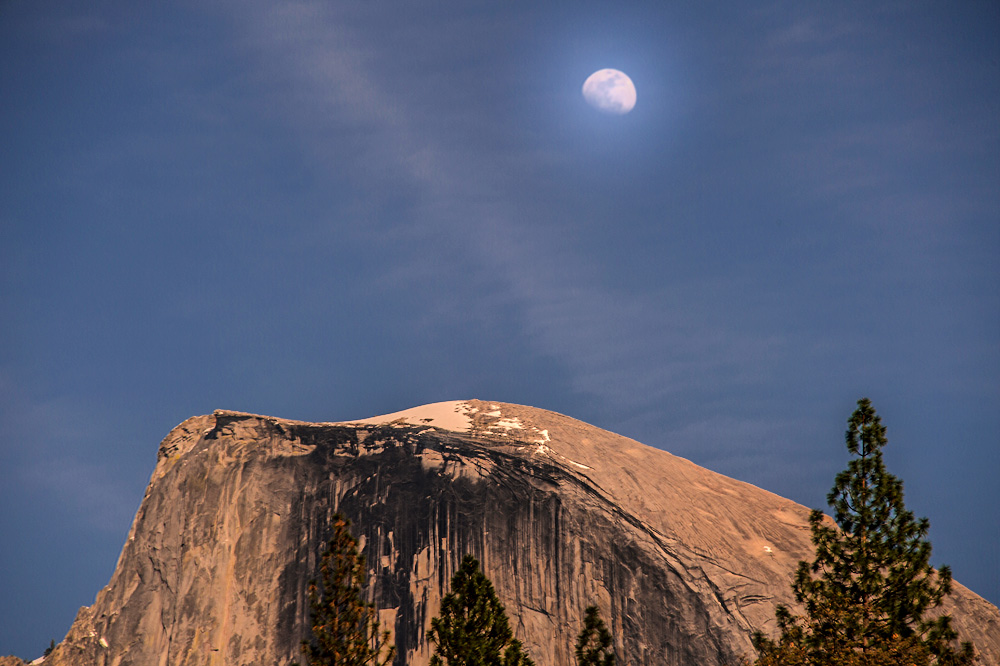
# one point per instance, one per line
(684, 563)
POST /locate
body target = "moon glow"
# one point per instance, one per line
(609, 91)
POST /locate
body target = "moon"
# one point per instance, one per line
(609, 91)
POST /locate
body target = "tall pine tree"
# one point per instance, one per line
(868, 592)
(345, 627)
(593, 647)
(472, 628)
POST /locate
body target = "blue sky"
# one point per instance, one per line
(327, 211)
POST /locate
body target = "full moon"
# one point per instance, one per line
(609, 91)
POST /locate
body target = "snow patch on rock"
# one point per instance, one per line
(454, 415)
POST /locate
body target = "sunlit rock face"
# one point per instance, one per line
(684, 563)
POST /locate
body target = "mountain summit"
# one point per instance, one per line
(684, 563)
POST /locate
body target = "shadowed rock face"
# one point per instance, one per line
(684, 563)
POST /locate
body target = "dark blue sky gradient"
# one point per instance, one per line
(327, 211)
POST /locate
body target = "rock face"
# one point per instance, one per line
(684, 563)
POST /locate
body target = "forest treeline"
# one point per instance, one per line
(868, 595)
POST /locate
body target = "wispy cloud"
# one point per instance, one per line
(631, 350)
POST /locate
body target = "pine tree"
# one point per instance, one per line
(593, 647)
(868, 591)
(345, 627)
(472, 628)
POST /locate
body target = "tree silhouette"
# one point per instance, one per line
(345, 627)
(472, 628)
(868, 591)
(593, 647)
